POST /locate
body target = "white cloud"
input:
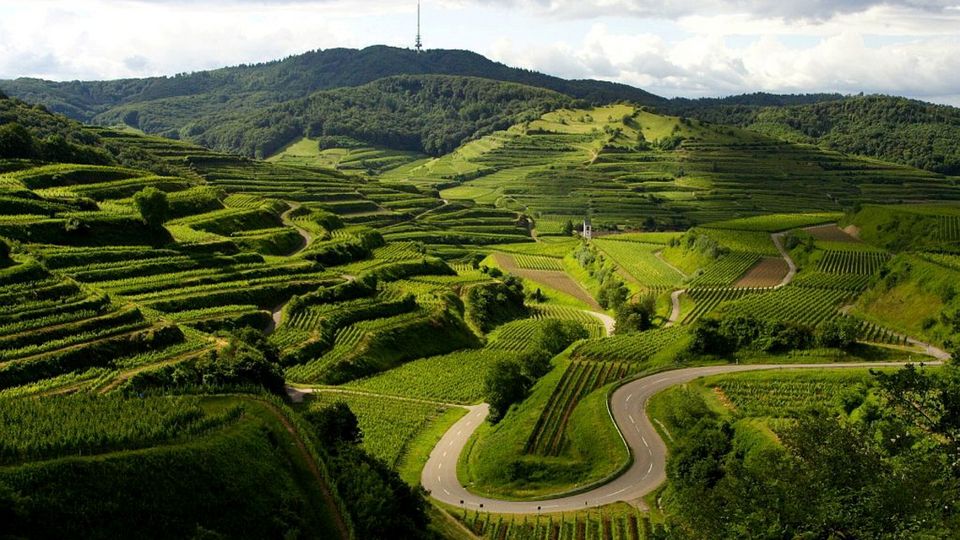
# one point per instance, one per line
(706, 64)
(671, 47)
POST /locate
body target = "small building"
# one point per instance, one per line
(587, 229)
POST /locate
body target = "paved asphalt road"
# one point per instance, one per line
(628, 405)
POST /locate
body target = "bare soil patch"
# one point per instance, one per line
(560, 281)
(768, 272)
(831, 233)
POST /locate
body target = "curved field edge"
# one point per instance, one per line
(233, 480)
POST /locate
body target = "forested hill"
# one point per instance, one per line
(430, 113)
(893, 129)
(294, 77)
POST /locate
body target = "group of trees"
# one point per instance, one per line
(890, 472)
(247, 361)
(381, 504)
(632, 316)
(490, 304)
(18, 142)
(728, 335)
(32, 132)
(510, 379)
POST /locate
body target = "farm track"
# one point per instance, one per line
(675, 309)
(659, 254)
(276, 315)
(304, 234)
(792, 266)
(609, 323)
(628, 409)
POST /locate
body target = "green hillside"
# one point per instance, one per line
(156, 297)
(159, 468)
(625, 166)
(894, 129)
(169, 105)
(432, 114)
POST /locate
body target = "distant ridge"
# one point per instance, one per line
(301, 75)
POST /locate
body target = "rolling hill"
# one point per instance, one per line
(247, 87)
(890, 128)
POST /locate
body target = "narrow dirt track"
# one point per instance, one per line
(628, 407)
(304, 234)
(792, 272)
(609, 323)
(675, 303)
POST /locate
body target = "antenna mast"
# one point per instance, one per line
(419, 44)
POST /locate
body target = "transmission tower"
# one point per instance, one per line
(419, 44)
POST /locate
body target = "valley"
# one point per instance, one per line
(317, 321)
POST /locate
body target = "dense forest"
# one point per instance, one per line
(186, 105)
(894, 129)
(242, 89)
(433, 114)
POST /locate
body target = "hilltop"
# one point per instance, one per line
(389, 293)
(245, 88)
(217, 107)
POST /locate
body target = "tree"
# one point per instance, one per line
(637, 316)
(336, 424)
(567, 228)
(152, 205)
(841, 333)
(4, 252)
(613, 293)
(504, 385)
(16, 142)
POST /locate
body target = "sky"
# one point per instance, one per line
(671, 48)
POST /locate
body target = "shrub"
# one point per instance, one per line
(152, 205)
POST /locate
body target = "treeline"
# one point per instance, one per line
(430, 114)
(172, 103)
(893, 129)
(33, 133)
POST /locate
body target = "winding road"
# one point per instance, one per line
(628, 408)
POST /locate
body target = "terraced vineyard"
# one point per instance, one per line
(640, 262)
(389, 425)
(707, 299)
(726, 270)
(852, 262)
(795, 304)
(357, 266)
(578, 380)
(635, 348)
(613, 526)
